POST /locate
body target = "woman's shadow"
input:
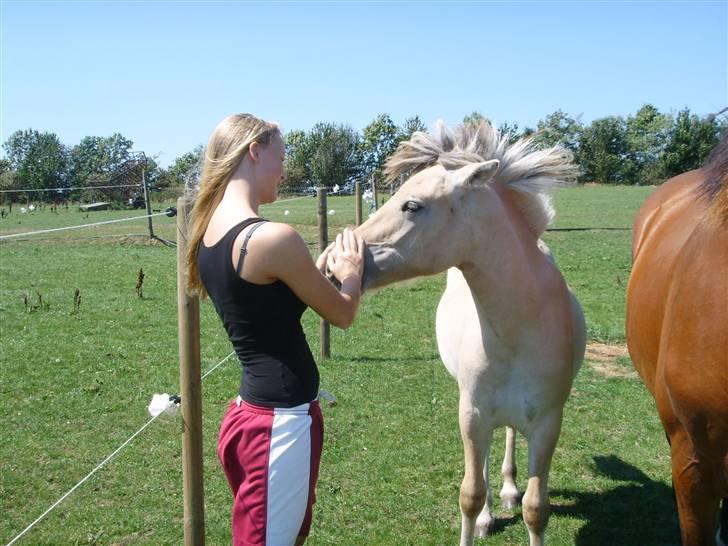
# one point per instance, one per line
(641, 512)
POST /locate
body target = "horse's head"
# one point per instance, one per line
(428, 225)
(449, 206)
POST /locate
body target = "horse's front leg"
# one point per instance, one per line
(697, 504)
(541, 446)
(509, 492)
(477, 434)
(722, 536)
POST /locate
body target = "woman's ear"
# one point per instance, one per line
(254, 151)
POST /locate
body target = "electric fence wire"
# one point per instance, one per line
(39, 231)
(102, 463)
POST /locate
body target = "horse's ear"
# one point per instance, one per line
(477, 173)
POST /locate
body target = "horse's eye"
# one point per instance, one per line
(411, 206)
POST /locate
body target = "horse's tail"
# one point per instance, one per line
(715, 185)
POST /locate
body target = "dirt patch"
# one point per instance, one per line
(603, 358)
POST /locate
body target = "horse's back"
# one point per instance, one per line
(667, 202)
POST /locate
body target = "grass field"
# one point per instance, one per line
(75, 384)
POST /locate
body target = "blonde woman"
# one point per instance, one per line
(260, 278)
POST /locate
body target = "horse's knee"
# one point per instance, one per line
(536, 512)
(471, 501)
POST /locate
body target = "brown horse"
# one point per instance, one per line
(677, 333)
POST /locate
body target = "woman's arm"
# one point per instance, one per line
(287, 258)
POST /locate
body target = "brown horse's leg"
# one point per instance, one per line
(723, 529)
(541, 445)
(476, 434)
(697, 506)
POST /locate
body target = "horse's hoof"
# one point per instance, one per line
(509, 498)
(483, 526)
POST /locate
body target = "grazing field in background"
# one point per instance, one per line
(75, 380)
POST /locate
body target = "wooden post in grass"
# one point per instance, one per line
(188, 313)
(357, 193)
(148, 203)
(325, 327)
(374, 193)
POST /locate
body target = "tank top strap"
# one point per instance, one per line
(244, 249)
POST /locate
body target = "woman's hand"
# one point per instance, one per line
(321, 261)
(345, 257)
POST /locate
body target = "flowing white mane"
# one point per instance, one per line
(523, 167)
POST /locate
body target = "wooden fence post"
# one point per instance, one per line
(357, 194)
(188, 313)
(325, 327)
(149, 204)
(375, 196)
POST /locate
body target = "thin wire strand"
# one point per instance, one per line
(289, 199)
(81, 226)
(66, 495)
(61, 190)
(44, 514)
(216, 366)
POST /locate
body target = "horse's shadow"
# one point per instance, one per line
(641, 512)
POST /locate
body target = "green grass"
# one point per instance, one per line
(75, 385)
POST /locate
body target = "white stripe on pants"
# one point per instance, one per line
(289, 466)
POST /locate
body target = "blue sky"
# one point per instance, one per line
(164, 73)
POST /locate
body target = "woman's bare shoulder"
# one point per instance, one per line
(282, 240)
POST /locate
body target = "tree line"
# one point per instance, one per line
(645, 148)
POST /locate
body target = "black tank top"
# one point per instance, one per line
(263, 322)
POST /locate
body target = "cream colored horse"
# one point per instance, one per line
(508, 328)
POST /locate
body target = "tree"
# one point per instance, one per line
(7, 182)
(647, 136)
(38, 159)
(154, 175)
(185, 168)
(559, 128)
(335, 155)
(690, 141)
(380, 138)
(509, 130)
(474, 118)
(97, 158)
(409, 127)
(298, 161)
(103, 161)
(603, 148)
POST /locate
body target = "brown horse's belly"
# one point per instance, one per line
(662, 227)
(693, 354)
(677, 316)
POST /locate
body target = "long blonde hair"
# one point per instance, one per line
(226, 148)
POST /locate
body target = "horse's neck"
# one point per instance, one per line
(509, 281)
